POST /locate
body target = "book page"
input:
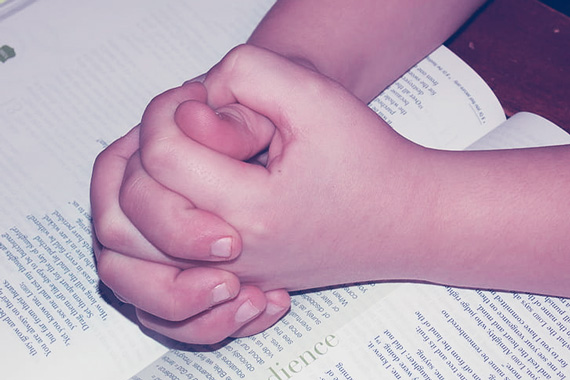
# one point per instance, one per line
(440, 103)
(452, 334)
(393, 331)
(80, 76)
(523, 130)
(305, 336)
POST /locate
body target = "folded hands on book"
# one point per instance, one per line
(205, 236)
(181, 187)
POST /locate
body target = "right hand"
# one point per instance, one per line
(335, 203)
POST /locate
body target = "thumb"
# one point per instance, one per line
(233, 130)
(184, 146)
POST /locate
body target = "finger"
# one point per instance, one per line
(163, 290)
(112, 227)
(278, 304)
(232, 129)
(171, 222)
(270, 85)
(260, 80)
(180, 163)
(213, 325)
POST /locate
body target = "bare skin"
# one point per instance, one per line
(453, 233)
(344, 198)
(164, 286)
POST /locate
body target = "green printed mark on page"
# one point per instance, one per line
(6, 52)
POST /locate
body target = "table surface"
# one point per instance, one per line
(521, 48)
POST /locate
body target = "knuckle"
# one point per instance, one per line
(260, 228)
(100, 159)
(239, 52)
(174, 309)
(111, 231)
(101, 166)
(158, 154)
(106, 270)
(240, 58)
(157, 103)
(132, 195)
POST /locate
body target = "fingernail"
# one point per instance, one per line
(273, 309)
(246, 312)
(118, 296)
(199, 78)
(222, 247)
(220, 293)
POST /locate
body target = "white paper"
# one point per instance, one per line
(81, 76)
(523, 130)
(440, 103)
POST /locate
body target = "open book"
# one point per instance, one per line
(77, 75)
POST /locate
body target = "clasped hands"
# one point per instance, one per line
(265, 178)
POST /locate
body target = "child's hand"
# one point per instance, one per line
(334, 203)
(159, 281)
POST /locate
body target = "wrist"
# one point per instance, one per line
(411, 235)
(404, 197)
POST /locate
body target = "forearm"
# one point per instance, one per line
(499, 220)
(364, 45)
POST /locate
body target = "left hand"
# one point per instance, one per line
(179, 290)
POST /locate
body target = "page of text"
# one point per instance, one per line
(440, 103)
(78, 76)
